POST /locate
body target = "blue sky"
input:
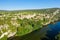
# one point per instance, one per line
(28, 4)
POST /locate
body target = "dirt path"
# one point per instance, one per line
(6, 33)
(54, 13)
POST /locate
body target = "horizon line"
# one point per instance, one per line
(25, 9)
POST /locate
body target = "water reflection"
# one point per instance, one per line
(54, 30)
(46, 33)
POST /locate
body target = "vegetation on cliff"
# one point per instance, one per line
(21, 22)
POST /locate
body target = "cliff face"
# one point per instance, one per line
(18, 23)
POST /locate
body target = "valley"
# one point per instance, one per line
(22, 22)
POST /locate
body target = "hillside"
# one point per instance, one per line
(21, 22)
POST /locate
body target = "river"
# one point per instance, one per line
(46, 33)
